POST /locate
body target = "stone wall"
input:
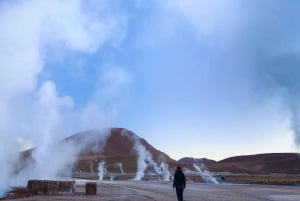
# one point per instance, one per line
(50, 187)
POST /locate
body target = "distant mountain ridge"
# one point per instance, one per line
(187, 160)
(283, 163)
(121, 146)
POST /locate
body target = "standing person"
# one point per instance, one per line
(179, 183)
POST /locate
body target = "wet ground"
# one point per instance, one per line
(163, 191)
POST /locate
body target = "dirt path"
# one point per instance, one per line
(159, 191)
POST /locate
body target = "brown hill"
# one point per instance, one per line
(284, 163)
(115, 146)
(190, 160)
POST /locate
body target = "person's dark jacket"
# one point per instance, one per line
(179, 180)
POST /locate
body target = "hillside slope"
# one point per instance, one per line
(114, 146)
(284, 163)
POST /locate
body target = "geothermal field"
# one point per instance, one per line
(122, 166)
(163, 191)
(211, 87)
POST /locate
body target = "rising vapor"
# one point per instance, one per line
(32, 110)
(257, 39)
(280, 76)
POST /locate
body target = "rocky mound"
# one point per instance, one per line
(114, 146)
(117, 147)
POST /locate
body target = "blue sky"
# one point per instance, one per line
(194, 78)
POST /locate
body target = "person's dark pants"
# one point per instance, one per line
(179, 193)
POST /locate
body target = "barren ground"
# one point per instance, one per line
(163, 191)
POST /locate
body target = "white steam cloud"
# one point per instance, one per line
(144, 157)
(254, 36)
(164, 171)
(257, 39)
(32, 111)
(145, 160)
(101, 170)
(280, 78)
(205, 174)
(120, 166)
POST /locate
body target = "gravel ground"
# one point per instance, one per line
(163, 191)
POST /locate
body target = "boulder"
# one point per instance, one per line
(91, 188)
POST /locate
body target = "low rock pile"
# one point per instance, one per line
(50, 187)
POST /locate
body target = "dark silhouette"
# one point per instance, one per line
(179, 183)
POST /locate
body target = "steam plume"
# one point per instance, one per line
(164, 171)
(112, 177)
(205, 175)
(41, 113)
(101, 170)
(280, 76)
(91, 163)
(120, 166)
(144, 157)
(145, 160)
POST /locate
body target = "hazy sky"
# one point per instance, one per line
(197, 78)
